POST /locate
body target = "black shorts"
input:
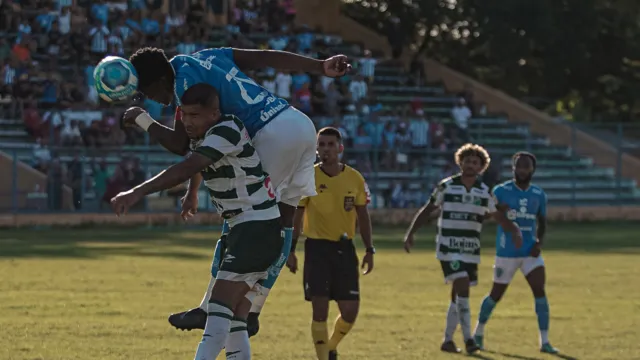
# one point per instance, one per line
(331, 270)
(453, 270)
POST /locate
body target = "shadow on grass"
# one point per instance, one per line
(189, 242)
(510, 356)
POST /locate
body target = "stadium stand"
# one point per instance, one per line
(400, 128)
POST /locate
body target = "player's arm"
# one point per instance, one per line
(249, 59)
(174, 140)
(175, 174)
(298, 217)
(541, 228)
(364, 223)
(498, 210)
(425, 213)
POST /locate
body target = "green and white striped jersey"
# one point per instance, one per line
(460, 220)
(239, 188)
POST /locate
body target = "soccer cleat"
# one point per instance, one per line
(333, 355)
(479, 339)
(253, 324)
(471, 346)
(188, 320)
(450, 347)
(548, 349)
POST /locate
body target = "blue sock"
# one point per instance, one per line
(488, 304)
(288, 238)
(225, 228)
(542, 310)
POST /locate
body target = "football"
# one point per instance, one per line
(115, 79)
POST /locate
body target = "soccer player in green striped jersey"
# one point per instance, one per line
(242, 193)
(463, 201)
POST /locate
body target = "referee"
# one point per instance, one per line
(330, 261)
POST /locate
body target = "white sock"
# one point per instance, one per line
(204, 304)
(452, 322)
(464, 316)
(216, 332)
(544, 337)
(479, 329)
(237, 346)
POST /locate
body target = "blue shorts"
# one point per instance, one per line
(274, 269)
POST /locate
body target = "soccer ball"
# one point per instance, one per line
(115, 79)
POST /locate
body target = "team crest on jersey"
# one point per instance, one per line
(349, 202)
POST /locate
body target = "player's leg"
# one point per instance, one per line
(345, 289)
(197, 317)
(251, 248)
(448, 345)
(237, 346)
(462, 275)
(503, 271)
(316, 282)
(253, 324)
(534, 271)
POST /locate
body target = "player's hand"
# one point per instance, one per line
(121, 203)
(128, 118)
(536, 249)
(408, 242)
(292, 262)
(367, 261)
(189, 206)
(516, 237)
(336, 66)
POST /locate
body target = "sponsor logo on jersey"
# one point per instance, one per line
(466, 245)
(268, 114)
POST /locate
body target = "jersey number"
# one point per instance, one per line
(267, 184)
(232, 75)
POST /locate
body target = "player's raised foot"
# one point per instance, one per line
(188, 320)
(450, 347)
(479, 339)
(471, 346)
(333, 355)
(548, 349)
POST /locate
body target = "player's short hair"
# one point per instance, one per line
(201, 94)
(331, 131)
(524, 153)
(470, 149)
(151, 63)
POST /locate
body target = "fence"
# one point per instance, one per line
(82, 179)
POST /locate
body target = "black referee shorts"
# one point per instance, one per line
(331, 270)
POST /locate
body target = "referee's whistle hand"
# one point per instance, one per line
(367, 261)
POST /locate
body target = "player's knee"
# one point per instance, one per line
(461, 286)
(349, 312)
(497, 291)
(253, 324)
(320, 308)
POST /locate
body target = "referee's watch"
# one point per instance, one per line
(371, 250)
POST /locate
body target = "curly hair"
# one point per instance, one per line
(473, 150)
(151, 63)
(526, 154)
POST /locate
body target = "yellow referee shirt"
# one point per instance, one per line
(331, 213)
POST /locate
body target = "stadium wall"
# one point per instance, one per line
(379, 217)
(27, 180)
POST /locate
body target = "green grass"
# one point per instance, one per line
(105, 294)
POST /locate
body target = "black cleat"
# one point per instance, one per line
(253, 324)
(188, 320)
(333, 355)
(471, 346)
(450, 347)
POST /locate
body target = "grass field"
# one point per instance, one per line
(105, 294)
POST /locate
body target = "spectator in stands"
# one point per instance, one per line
(41, 156)
(5, 49)
(99, 35)
(100, 180)
(283, 85)
(33, 123)
(437, 135)
(75, 177)
(461, 116)
(367, 66)
(332, 100)
(358, 89)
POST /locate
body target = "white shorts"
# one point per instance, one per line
(505, 268)
(287, 149)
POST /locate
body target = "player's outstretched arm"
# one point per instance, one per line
(175, 174)
(174, 140)
(422, 217)
(247, 59)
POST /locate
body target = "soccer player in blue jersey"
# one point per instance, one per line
(284, 137)
(526, 205)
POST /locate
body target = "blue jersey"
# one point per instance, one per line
(239, 95)
(524, 208)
